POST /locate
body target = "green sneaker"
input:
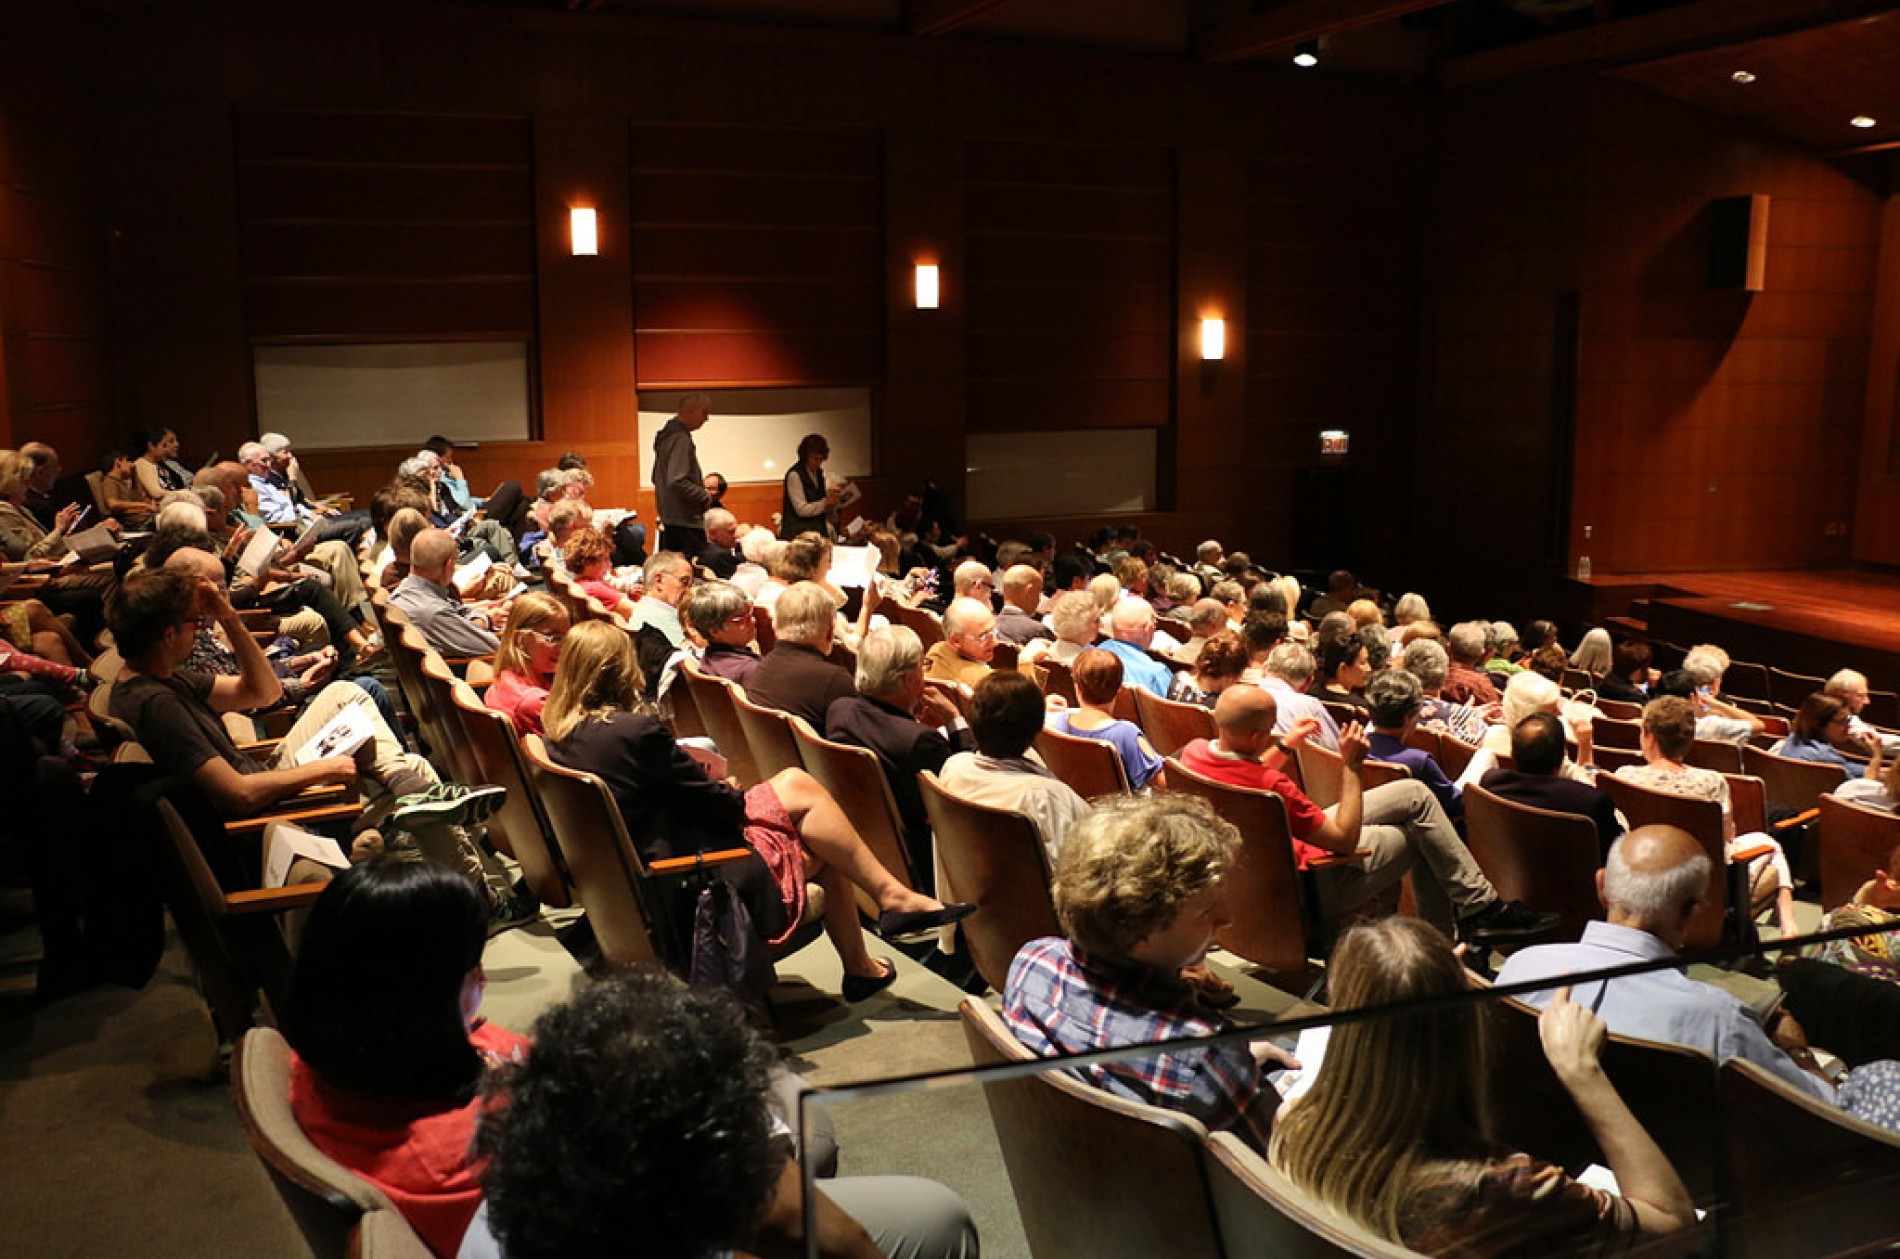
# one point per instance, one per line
(446, 804)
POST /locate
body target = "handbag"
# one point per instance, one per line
(727, 950)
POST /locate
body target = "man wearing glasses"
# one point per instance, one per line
(655, 619)
(969, 629)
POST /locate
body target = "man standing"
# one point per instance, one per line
(679, 487)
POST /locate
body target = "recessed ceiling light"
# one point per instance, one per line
(1743, 76)
(1306, 54)
(1861, 120)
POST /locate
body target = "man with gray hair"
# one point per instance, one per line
(1426, 660)
(910, 726)
(1651, 886)
(797, 675)
(720, 615)
(1289, 670)
(1205, 618)
(1131, 629)
(1464, 684)
(721, 556)
(1850, 687)
(1716, 718)
(968, 646)
(655, 619)
(1207, 558)
(679, 487)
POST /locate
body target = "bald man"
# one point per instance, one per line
(429, 597)
(1131, 629)
(1022, 597)
(968, 646)
(1650, 888)
(1400, 827)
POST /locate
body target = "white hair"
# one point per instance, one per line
(1528, 693)
(1648, 895)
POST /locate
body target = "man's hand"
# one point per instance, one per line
(210, 602)
(333, 771)
(1353, 746)
(1882, 892)
(1299, 732)
(935, 708)
(320, 665)
(1268, 1054)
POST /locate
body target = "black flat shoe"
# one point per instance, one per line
(894, 924)
(862, 987)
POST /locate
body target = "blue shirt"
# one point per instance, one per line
(277, 503)
(1125, 738)
(1663, 1005)
(1423, 766)
(1141, 669)
(1820, 754)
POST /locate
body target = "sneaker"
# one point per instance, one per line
(1507, 922)
(446, 804)
(509, 911)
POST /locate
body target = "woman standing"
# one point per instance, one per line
(809, 504)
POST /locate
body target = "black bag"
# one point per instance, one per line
(728, 951)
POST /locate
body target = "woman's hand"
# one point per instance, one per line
(66, 517)
(1572, 1036)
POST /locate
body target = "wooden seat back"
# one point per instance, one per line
(520, 827)
(928, 628)
(1701, 819)
(1547, 860)
(1261, 1212)
(1273, 925)
(713, 697)
(1169, 724)
(855, 778)
(1609, 732)
(1855, 842)
(768, 733)
(1093, 768)
(1058, 680)
(1790, 689)
(1094, 1175)
(1791, 784)
(1321, 768)
(1613, 759)
(1717, 754)
(994, 858)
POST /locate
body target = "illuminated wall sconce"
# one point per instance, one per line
(582, 232)
(1334, 441)
(1213, 339)
(927, 286)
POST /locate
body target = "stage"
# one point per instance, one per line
(1802, 622)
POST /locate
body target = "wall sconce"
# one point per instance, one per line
(1213, 338)
(928, 289)
(582, 231)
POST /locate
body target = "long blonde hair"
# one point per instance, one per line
(599, 675)
(528, 612)
(1395, 1094)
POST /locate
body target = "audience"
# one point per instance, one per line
(1220, 662)
(1821, 721)
(1131, 631)
(1393, 703)
(797, 676)
(720, 617)
(969, 643)
(1289, 672)
(427, 596)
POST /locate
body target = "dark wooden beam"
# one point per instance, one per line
(1287, 24)
(1652, 36)
(935, 17)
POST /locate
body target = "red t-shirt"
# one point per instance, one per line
(1302, 815)
(414, 1151)
(520, 697)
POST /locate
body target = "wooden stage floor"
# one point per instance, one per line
(1805, 622)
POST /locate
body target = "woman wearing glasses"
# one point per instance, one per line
(525, 663)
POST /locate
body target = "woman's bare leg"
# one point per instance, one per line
(41, 621)
(842, 927)
(831, 842)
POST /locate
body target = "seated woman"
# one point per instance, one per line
(1220, 664)
(1628, 678)
(1668, 732)
(390, 1057)
(1345, 666)
(1822, 722)
(1098, 679)
(589, 556)
(1594, 655)
(794, 827)
(1528, 693)
(525, 662)
(1077, 622)
(1391, 1136)
(806, 557)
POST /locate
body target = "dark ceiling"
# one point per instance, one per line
(1817, 64)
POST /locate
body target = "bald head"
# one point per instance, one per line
(1244, 717)
(196, 563)
(1132, 621)
(432, 555)
(973, 580)
(1653, 880)
(970, 628)
(1022, 587)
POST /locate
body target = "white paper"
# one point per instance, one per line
(704, 752)
(852, 566)
(257, 553)
(1311, 1051)
(349, 730)
(308, 538)
(460, 523)
(284, 843)
(468, 574)
(848, 492)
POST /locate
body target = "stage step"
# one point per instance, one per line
(1629, 625)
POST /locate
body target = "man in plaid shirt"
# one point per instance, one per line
(1138, 889)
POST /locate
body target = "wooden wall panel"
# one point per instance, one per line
(1070, 256)
(1877, 508)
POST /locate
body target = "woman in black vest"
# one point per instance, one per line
(809, 505)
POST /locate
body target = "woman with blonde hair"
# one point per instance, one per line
(795, 830)
(526, 661)
(1392, 1133)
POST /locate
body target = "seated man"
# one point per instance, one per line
(1289, 671)
(1022, 599)
(1469, 644)
(720, 616)
(963, 657)
(1655, 878)
(1537, 753)
(1138, 890)
(1205, 618)
(155, 617)
(1003, 773)
(1131, 629)
(281, 502)
(1850, 687)
(1399, 827)
(429, 598)
(721, 557)
(654, 619)
(797, 675)
(663, 1094)
(1716, 718)
(1394, 700)
(909, 725)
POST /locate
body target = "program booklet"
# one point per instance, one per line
(284, 843)
(257, 553)
(93, 546)
(349, 730)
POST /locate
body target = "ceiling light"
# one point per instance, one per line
(1306, 54)
(1862, 121)
(1743, 76)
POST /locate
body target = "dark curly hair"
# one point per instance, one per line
(638, 1123)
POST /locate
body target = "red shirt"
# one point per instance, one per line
(1302, 815)
(520, 697)
(414, 1151)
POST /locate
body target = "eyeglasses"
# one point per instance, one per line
(545, 636)
(739, 617)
